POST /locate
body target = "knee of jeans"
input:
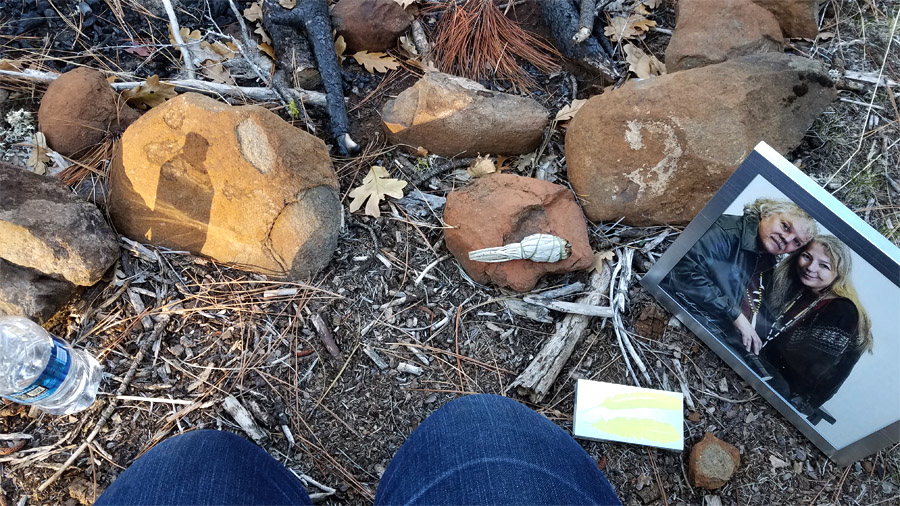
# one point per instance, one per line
(481, 405)
(210, 441)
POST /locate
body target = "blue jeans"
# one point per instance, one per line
(479, 449)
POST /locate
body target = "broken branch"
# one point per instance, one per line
(536, 380)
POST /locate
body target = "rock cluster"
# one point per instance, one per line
(655, 150)
(80, 110)
(504, 208)
(50, 242)
(454, 116)
(237, 184)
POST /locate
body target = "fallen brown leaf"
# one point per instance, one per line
(376, 62)
(150, 94)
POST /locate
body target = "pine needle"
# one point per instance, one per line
(475, 40)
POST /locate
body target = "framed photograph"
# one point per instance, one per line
(800, 296)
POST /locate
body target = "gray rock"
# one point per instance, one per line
(26, 292)
(656, 150)
(43, 226)
(454, 116)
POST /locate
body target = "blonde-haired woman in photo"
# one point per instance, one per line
(818, 329)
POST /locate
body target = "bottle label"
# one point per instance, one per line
(50, 379)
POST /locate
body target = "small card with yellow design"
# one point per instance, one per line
(643, 416)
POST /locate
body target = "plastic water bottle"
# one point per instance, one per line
(39, 368)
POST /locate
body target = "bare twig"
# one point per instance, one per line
(262, 94)
(176, 34)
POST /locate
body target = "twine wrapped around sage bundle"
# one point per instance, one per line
(535, 247)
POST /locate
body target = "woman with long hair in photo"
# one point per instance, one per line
(817, 328)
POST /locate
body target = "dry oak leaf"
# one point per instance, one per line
(568, 112)
(652, 3)
(38, 159)
(217, 73)
(599, 257)
(262, 34)
(628, 28)
(642, 64)
(340, 45)
(375, 187)
(150, 94)
(408, 47)
(405, 3)
(482, 166)
(287, 4)
(254, 12)
(268, 49)
(376, 62)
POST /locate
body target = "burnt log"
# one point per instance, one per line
(312, 18)
(563, 20)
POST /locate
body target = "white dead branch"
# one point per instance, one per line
(409, 369)
(244, 419)
(375, 358)
(176, 34)
(308, 97)
(617, 301)
(569, 307)
(536, 380)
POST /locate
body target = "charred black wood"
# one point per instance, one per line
(311, 16)
(563, 20)
(294, 56)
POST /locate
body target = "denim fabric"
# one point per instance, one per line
(491, 450)
(479, 449)
(205, 467)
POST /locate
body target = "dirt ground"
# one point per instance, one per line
(390, 288)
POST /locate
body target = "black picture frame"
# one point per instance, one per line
(874, 383)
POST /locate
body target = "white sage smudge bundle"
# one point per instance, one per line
(535, 247)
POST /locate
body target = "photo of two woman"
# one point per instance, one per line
(779, 292)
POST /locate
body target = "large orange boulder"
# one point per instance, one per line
(237, 184)
(504, 208)
(80, 110)
(656, 150)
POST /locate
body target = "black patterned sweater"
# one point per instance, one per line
(816, 354)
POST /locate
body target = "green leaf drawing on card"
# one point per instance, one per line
(641, 429)
(652, 400)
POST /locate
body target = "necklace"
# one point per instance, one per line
(754, 310)
(775, 330)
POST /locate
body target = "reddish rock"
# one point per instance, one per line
(454, 116)
(712, 462)
(651, 323)
(237, 184)
(712, 31)
(798, 18)
(80, 110)
(504, 208)
(656, 150)
(369, 25)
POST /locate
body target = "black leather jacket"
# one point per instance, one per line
(711, 279)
